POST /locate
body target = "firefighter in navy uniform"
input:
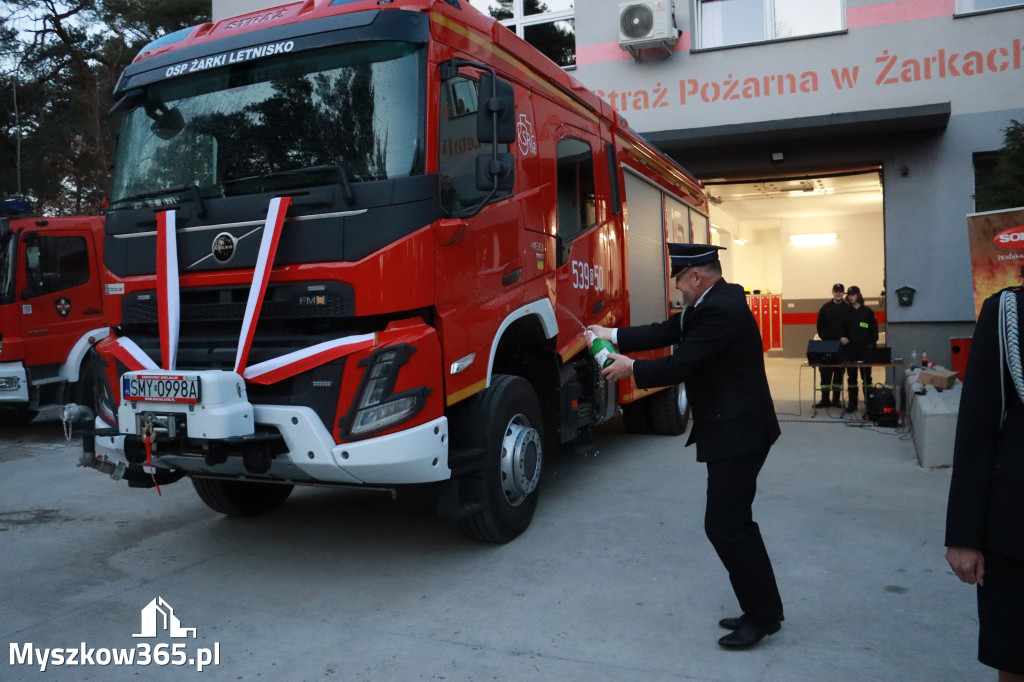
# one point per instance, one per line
(862, 333)
(832, 320)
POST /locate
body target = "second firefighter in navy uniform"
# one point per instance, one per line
(862, 332)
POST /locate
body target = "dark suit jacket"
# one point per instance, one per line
(986, 494)
(720, 359)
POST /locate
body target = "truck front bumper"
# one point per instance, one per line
(223, 434)
(415, 455)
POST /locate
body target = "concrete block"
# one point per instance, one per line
(933, 417)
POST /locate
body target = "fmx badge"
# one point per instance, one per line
(158, 615)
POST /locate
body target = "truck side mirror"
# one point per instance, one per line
(496, 111)
(166, 122)
(489, 170)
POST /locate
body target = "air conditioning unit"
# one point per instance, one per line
(647, 24)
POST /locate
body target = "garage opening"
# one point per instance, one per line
(790, 239)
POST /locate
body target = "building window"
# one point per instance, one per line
(737, 22)
(548, 26)
(968, 6)
(577, 201)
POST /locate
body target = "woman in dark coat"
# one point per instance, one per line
(985, 516)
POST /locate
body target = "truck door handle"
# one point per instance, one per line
(92, 311)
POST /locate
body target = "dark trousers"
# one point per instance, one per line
(851, 377)
(832, 377)
(730, 526)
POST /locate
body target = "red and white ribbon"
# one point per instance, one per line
(261, 276)
(131, 356)
(167, 300)
(300, 361)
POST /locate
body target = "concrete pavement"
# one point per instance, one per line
(613, 581)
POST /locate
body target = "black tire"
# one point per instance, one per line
(636, 417)
(508, 423)
(669, 411)
(241, 498)
(17, 416)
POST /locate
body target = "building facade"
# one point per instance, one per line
(917, 89)
(895, 100)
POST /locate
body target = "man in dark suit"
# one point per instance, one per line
(719, 357)
(985, 515)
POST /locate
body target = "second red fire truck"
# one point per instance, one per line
(51, 309)
(357, 243)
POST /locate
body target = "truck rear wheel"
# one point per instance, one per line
(241, 498)
(670, 411)
(507, 422)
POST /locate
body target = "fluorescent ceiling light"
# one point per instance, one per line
(741, 242)
(811, 239)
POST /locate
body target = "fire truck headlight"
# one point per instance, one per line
(383, 415)
(9, 383)
(377, 407)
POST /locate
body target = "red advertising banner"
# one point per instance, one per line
(997, 251)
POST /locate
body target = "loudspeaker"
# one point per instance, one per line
(880, 406)
(823, 352)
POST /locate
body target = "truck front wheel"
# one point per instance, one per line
(241, 498)
(508, 424)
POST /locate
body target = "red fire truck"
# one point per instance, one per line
(359, 243)
(51, 310)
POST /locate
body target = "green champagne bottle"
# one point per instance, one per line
(601, 348)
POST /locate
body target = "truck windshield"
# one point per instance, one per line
(8, 265)
(355, 111)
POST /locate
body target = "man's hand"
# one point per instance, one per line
(621, 368)
(843, 340)
(601, 332)
(967, 563)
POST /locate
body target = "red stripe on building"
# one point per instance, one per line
(610, 52)
(896, 12)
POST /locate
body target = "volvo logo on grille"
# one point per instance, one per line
(223, 247)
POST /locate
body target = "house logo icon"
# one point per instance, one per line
(158, 615)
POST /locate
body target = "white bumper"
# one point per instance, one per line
(415, 455)
(13, 383)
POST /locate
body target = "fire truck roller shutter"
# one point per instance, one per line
(646, 247)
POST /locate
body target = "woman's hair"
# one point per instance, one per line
(857, 297)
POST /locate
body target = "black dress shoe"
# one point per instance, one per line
(748, 634)
(733, 623)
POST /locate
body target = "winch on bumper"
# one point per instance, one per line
(202, 422)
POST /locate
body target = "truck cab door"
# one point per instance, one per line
(584, 238)
(59, 293)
